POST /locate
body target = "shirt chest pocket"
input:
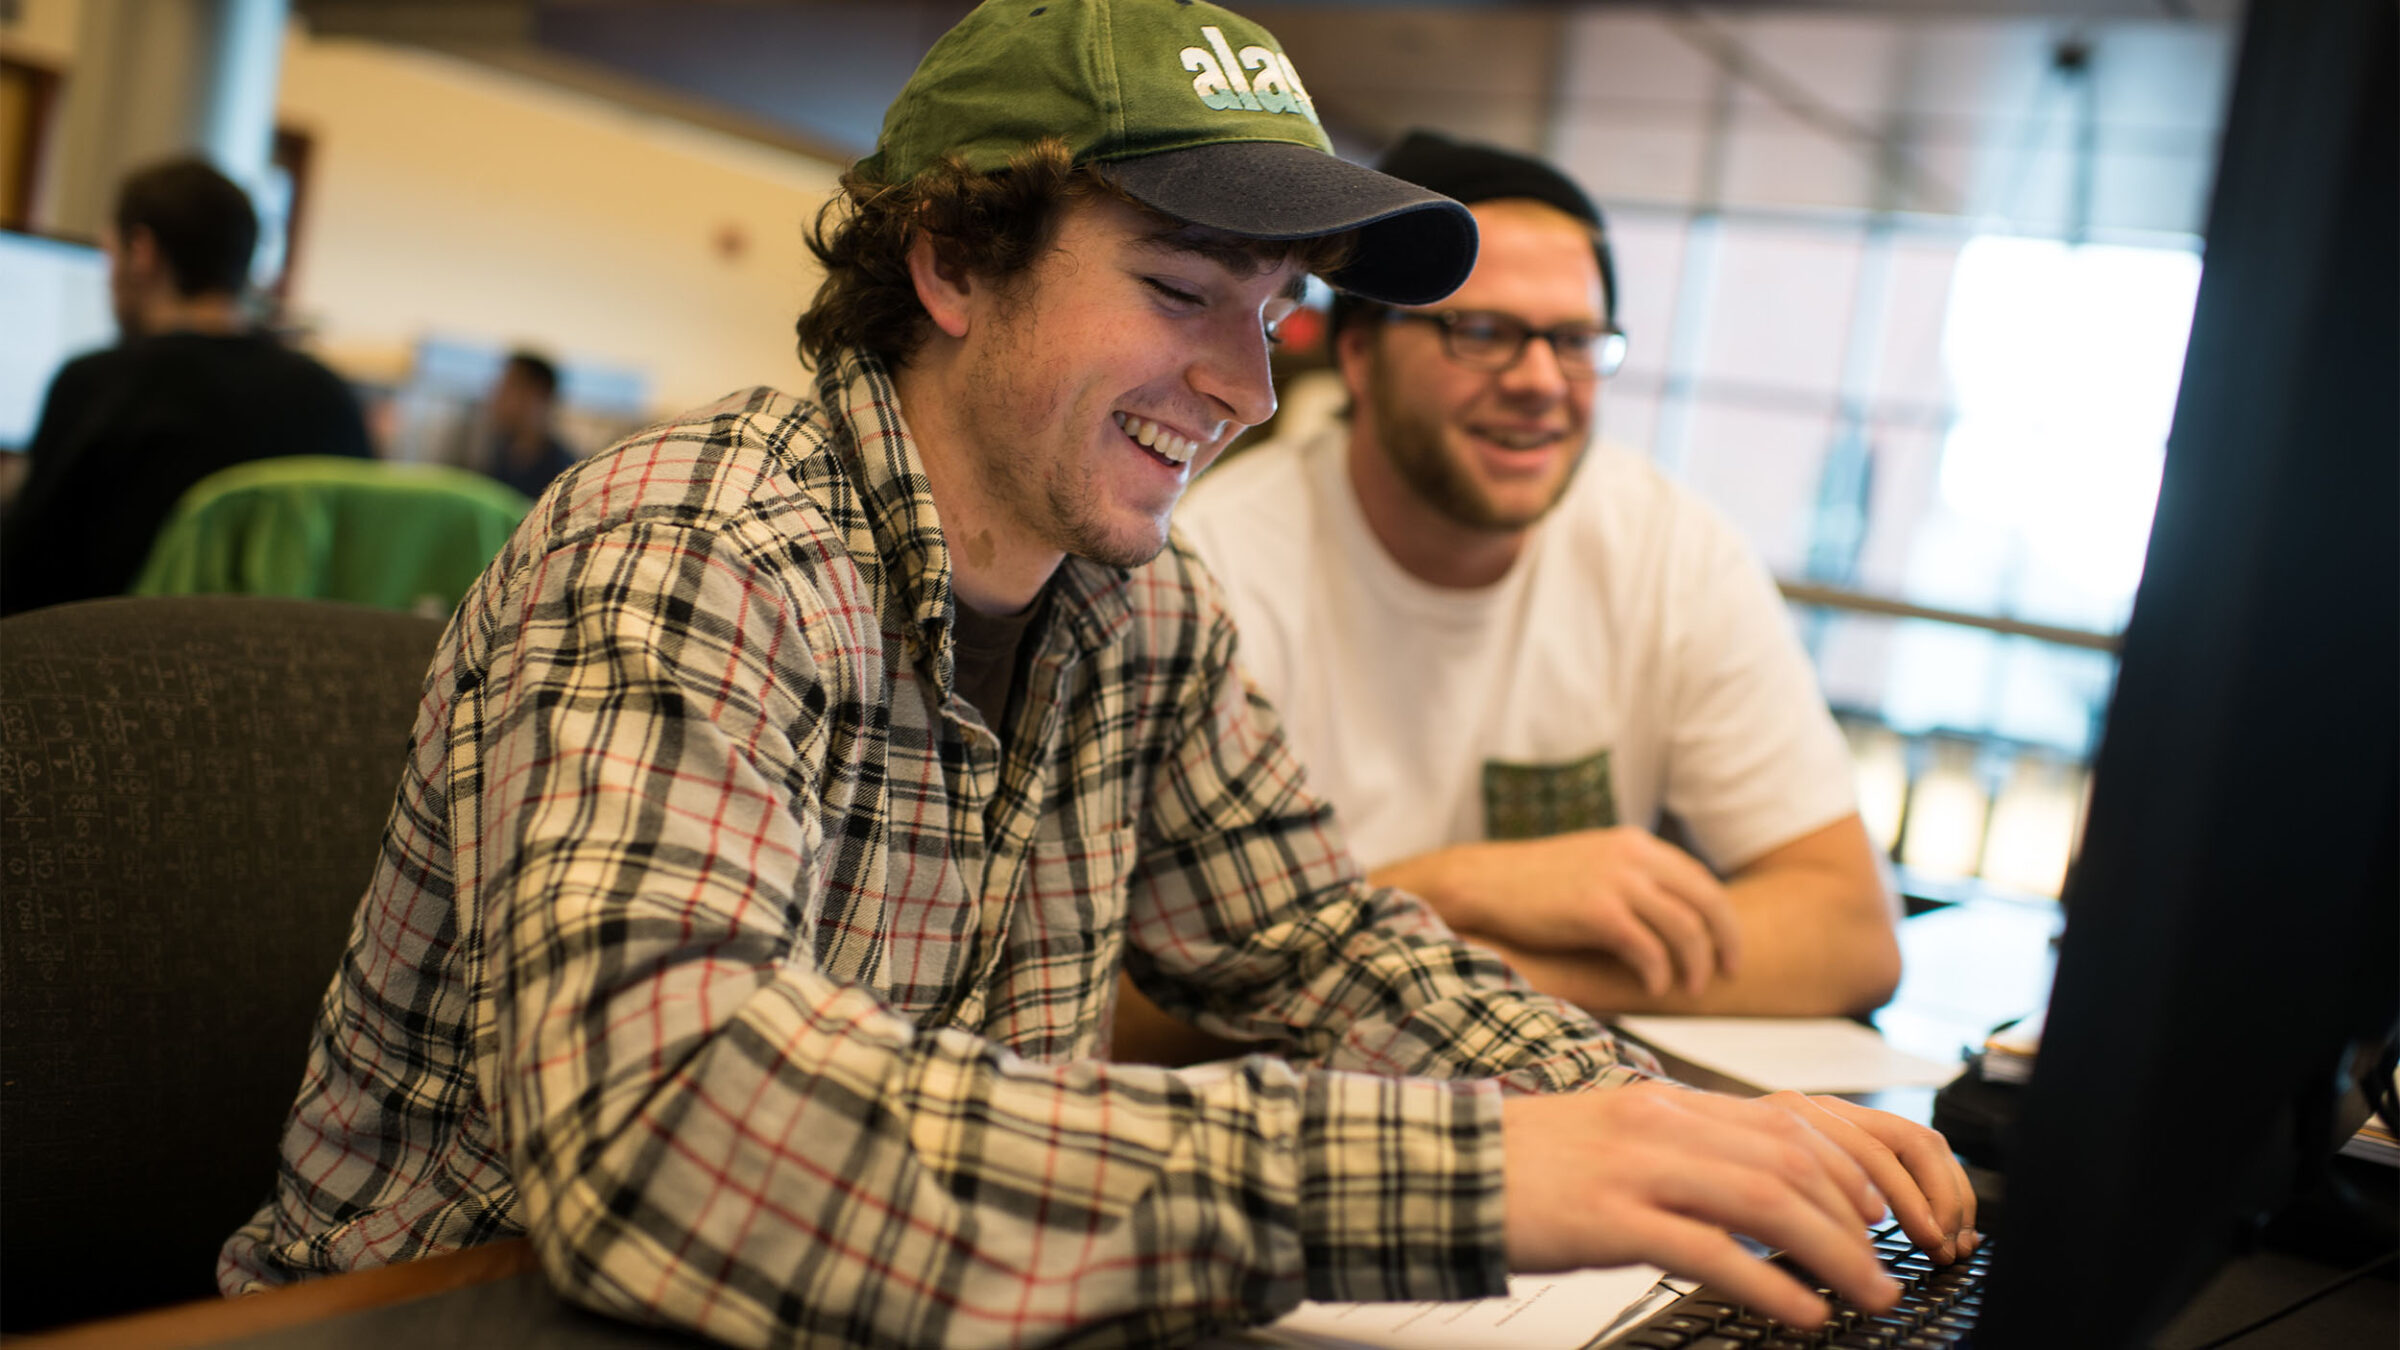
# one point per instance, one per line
(1074, 891)
(1066, 936)
(1533, 801)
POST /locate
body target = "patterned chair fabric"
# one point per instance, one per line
(191, 794)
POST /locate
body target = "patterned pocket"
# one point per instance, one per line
(1529, 801)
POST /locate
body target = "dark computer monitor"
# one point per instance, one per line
(2231, 925)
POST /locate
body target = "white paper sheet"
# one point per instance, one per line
(1805, 1054)
(1541, 1312)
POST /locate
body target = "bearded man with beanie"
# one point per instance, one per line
(1507, 653)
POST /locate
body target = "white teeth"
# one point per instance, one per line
(1161, 442)
(1519, 440)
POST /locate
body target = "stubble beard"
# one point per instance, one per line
(1075, 514)
(1418, 449)
(1058, 501)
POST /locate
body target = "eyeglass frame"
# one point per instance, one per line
(1609, 339)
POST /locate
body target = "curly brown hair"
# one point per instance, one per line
(994, 225)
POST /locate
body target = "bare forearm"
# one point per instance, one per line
(1456, 881)
(1825, 941)
(1815, 926)
(1807, 950)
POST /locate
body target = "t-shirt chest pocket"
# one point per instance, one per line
(1532, 801)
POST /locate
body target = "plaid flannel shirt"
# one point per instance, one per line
(714, 943)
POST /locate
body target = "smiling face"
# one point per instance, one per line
(1079, 399)
(1479, 450)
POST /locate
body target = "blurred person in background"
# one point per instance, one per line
(1504, 652)
(192, 387)
(526, 451)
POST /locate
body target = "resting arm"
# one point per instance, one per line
(1754, 765)
(1810, 923)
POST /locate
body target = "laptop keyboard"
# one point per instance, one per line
(1937, 1311)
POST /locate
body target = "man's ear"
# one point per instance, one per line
(942, 286)
(1351, 355)
(140, 247)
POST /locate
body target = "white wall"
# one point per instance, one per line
(449, 198)
(446, 197)
(42, 30)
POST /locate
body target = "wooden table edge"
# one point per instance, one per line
(210, 1321)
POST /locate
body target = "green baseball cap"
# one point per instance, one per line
(1193, 110)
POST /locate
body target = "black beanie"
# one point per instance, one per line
(1472, 173)
(1479, 173)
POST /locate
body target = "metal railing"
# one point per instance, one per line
(1963, 813)
(1859, 602)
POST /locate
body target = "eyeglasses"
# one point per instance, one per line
(1485, 340)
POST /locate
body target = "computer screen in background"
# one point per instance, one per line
(2233, 925)
(57, 309)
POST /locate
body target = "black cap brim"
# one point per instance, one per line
(1414, 245)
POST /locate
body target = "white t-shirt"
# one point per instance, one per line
(1636, 659)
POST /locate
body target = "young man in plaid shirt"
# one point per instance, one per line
(789, 792)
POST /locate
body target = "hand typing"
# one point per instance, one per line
(1661, 1174)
